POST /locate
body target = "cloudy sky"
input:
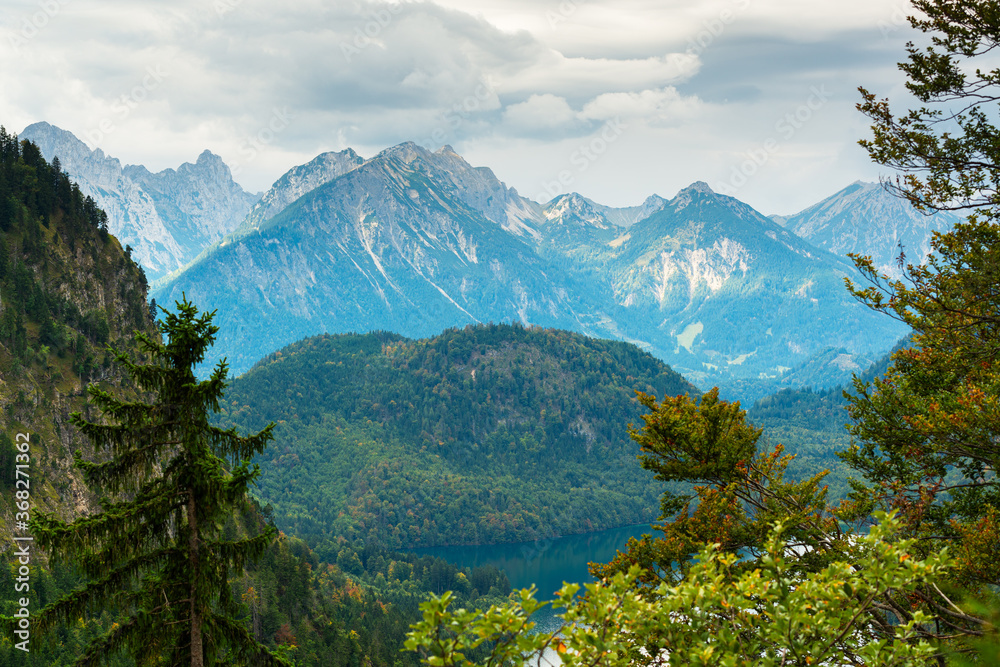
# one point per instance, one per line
(615, 99)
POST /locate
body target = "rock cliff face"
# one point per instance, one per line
(298, 181)
(198, 203)
(167, 218)
(68, 290)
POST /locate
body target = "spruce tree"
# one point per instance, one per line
(154, 552)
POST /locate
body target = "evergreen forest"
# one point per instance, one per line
(491, 433)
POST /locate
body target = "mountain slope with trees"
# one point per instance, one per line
(811, 424)
(67, 289)
(494, 433)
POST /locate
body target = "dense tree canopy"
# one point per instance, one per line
(490, 433)
(946, 149)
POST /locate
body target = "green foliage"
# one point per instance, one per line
(813, 424)
(707, 441)
(287, 599)
(740, 491)
(719, 614)
(927, 433)
(156, 552)
(488, 434)
(68, 641)
(56, 262)
(947, 149)
(8, 453)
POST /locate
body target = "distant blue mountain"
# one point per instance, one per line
(415, 241)
(168, 217)
(866, 219)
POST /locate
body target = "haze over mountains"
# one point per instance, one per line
(415, 241)
(864, 218)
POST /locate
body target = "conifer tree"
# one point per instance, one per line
(154, 553)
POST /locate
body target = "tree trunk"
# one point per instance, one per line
(197, 652)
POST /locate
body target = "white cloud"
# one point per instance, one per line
(586, 77)
(371, 74)
(657, 106)
(540, 112)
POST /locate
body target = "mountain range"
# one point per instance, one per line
(167, 217)
(414, 241)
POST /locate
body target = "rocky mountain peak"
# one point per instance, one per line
(211, 163)
(208, 156)
(866, 218)
(73, 154)
(406, 152)
(577, 209)
(476, 187)
(696, 192)
(167, 217)
(298, 181)
(698, 187)
(651, 205)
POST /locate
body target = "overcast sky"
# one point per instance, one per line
(615, 99)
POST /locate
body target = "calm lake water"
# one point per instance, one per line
(545, 563)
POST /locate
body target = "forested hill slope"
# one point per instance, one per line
(67, 289)
(491, 433)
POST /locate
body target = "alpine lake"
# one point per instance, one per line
(546, 563)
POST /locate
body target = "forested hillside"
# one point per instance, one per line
(488, 434)
(356, 612)
(67, 289)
